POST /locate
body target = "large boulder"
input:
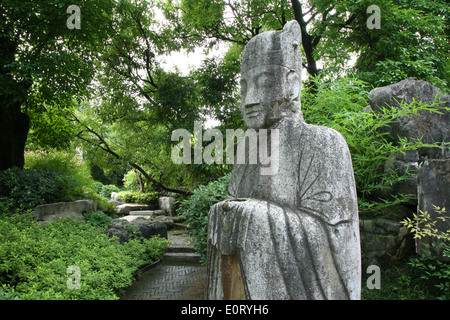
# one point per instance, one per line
(168, 221)
(384, 242)
(434, 190)
(430, 127)
(74, 209)
(148, 228)
(125, 208)
(115, 199)
(144, 227)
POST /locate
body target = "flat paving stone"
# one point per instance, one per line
(171, 279)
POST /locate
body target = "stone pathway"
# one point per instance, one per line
(179, 276)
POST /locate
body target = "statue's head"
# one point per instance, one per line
(271, 77)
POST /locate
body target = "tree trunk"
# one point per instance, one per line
(308, 42)
(14, 126)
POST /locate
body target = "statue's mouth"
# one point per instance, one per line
(252, 113)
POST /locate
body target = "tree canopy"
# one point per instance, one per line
(103, 89)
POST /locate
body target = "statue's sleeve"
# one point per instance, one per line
(326, 187)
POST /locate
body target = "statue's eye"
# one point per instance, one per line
(266, 80)
(243, 86)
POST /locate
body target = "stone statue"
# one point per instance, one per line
(293, 234)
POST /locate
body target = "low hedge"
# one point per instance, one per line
(139, 197)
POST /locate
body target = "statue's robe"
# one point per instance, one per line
(295, 233)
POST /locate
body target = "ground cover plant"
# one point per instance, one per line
(35, 259)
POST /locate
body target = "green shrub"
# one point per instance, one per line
(48, 177)
(98, 218)
(138, 197)
(435, 272)
(339, 105)
(34, 260)
(29, 188)
(105, 190)
(130, 181)
(196, 209)
(76, 179)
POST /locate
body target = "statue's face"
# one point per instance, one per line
(264, 92)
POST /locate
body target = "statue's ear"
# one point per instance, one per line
(291, 41)
(293, 29)
(294, 84)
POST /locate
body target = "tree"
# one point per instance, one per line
(139, 104)
(412, 40)
(43, 63)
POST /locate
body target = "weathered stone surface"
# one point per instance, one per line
(434, 190)
(115, 199)
(127, 207)
(168, 221)
(292, 232)
(429, 127)
(130, 218)
(148, 228)
(168, 205)
(405, 164)
(75, 209)
(118, 232)
(384, 242)
(148, 213)
(145, 227)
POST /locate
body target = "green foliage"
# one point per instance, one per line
(28, 188)
(105, 190)
(130, 180)
(76, 180)
(48, 177)
(49, 127)
(97, 218)
(196, 209)
(139, 197)
(34, 259)
(339, 105)
(399, 282)
(435, 272)
(385, 54)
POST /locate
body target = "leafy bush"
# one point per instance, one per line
(105, 190)
(34, 260)
(48, 177)
(130, 180)
(76, 180)
(339, 105)
(97, 218)
(28, 188)
(138, 197)
(196, 209)
(435, 272)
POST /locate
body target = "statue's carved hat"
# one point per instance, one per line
(281, 48)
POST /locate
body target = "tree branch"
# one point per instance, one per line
(102, 144)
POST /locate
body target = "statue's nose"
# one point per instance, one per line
(251, 98)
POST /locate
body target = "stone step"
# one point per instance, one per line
(131, 218)
(181, 257)
(148, 213)
(179, 249)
